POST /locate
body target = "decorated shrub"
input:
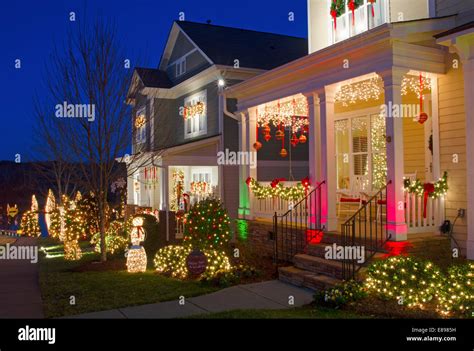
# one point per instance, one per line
(341, 295)
(207, 225)
(55, 223)
(457, 294)
(172, 260)
(29, 225)
(116, 237)
(411, 281)
(73, 230)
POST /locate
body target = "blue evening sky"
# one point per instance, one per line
(29, 29)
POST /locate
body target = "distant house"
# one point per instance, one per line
(181, 120)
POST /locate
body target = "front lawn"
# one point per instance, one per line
(307, 312)
(97, 290)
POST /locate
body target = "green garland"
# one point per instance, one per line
(338, 7)
(435, 190)
(262, 192)
(357, 3)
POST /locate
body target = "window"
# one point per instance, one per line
(181, 67)
(202, 177)
(195, 119)
(360, 153)
(363, 20)
(140, 126)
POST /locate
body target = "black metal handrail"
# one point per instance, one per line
(290, 229)
(366, 228)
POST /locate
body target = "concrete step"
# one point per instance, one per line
(318, 265)
(300, 277)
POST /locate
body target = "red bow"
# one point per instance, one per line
(248, 181)
(305, 182)
(276, 181)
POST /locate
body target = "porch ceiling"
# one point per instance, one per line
(377, 50)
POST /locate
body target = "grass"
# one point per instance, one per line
(103, 290)
(307, 312)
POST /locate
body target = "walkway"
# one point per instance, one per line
(270, 295)
(20, 295)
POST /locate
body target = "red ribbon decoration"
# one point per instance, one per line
(334, 13)
(428, 189)
(372, 2)
(352, 8)
(248, 181)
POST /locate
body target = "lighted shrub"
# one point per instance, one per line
(233, 276)
(341, 294)
(207, 225)
(172, 260)
(409, 280)
(116, 237)
(457, 294)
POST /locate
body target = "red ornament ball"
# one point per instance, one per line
(303, 139)
(257, 145)
(283, 153)
(422, 118)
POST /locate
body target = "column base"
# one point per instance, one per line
(397, 231)
(329, 224)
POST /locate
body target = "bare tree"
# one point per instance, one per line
(90, 78)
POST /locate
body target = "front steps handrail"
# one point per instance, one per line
(290, 228)
(367, 228)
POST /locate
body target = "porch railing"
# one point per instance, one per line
(292, 229)
(367, 228)
(423, 215)
(266, 208)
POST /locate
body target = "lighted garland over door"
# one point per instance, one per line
(361, 163)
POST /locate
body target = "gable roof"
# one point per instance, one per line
(154, 78)
(222, 45)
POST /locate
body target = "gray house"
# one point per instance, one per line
(182, 121)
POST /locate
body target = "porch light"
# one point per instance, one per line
(221, 83)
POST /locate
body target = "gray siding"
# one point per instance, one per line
(195, 62)
(169, 125)
(463, 8)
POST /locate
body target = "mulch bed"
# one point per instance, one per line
(378, 308)
(97, 266)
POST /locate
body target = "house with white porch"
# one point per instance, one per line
(182, 121)
(386, 100)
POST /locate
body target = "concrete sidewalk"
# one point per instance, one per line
(20, 295)
(270, 295)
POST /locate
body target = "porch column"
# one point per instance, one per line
(244, 200)
(396, 223)
(465, 48)
(325, 163)
(314, 141)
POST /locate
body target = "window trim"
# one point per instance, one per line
(180, 66)
(366, 113)
(140, 133)
(200, 96)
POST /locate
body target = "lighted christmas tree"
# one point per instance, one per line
(73, 229)
(178, 188)
(29, 224)
(89, 208)
(207, 225)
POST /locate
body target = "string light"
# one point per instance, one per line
(277, 189)
(29, 224)
(290, 113)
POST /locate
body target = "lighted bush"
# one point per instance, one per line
(409, 280)
(116, 237)
(207, 225)
(29, 225)
(232, 276)
(172, 260)
(341, 294)
(457, 294)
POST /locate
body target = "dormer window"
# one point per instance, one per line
(180, 67)
(367, 16)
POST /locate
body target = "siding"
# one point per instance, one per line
(451, 7)
(452, 125)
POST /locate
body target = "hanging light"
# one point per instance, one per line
(279, 135)
(283, 153)
(294, 140)
(303, 139)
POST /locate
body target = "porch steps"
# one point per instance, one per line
(312, 270)
(300, 277)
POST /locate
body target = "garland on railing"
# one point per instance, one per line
(433, 190)
(277, 189)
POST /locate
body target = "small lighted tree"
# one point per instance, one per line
(136, 255)
(207, 225)
(73, 230)
(29, 224)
